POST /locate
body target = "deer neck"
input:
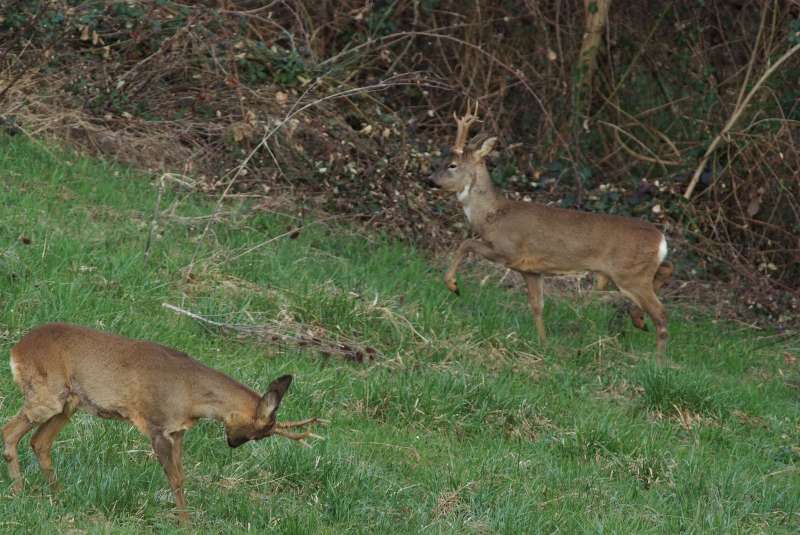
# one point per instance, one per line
(479, 198)
(219, 397)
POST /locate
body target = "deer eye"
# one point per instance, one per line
(452, 166)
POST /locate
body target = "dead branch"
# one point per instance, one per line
(289, 331)
(737, 112)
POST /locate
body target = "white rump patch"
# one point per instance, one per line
(662, 249)
(14, 371)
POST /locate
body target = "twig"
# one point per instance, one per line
(737, 112)
(194, 316)
(25, 31)
(752, 61)
(288, 331)
(390, 315)
(154, 220)
(651, 159)
(279, 236)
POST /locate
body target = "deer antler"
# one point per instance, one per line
(463, 128)
(281, 429)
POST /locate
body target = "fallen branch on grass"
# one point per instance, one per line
(290, 332)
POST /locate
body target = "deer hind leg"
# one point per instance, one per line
(637, 317)
(636, 313)
(600, 282)
(168, 451)
(13, 431)
(644, 297)
(535, 285)
(36, 410)
(39, 406)
(656, 311)
(466, 247)
(663, 274)
(42, 443)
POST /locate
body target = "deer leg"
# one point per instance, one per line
(535, 285)
(662, 275)
(600, 282)
(177, 461)
(636, 313)
(466, 247)
(168, 451)
(13, 431)
(34, 411)
(42, 443)
(656, 311)
(637, 317)
(177, 453)
(645, 298)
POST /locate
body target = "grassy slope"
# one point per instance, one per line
(466, 424)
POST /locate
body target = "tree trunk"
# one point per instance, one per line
(596, 16)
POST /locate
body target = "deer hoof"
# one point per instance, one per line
(183, 519)
(452, 286)
(637, 318)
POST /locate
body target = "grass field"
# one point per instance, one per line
(464, 423)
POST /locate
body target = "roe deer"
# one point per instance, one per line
(536, 240)
(163, 392)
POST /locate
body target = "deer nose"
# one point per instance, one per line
(430, 182)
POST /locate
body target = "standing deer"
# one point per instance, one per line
(163, 392)
(536, 240)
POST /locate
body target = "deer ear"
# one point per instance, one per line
(485, 149)
(272, 399)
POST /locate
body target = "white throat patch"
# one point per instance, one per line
(464, 193)
(462, 197)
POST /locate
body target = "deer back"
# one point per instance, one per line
(535, 237)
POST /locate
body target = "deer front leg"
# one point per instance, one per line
(466, 247)
(536, 299)
(168, 451)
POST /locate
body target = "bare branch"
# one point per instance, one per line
(737, 112)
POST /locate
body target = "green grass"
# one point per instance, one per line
(464, 424)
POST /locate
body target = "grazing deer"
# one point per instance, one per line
(163, 392)
(536, 240)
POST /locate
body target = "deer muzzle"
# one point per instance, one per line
(235, 442)
(430, 181)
